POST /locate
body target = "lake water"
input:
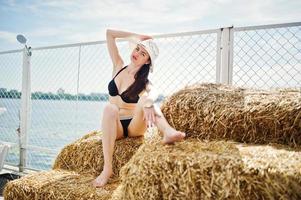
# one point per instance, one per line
(53, 125)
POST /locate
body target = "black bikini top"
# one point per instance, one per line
(113, 90)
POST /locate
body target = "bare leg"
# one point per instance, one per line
(112, 130)
(170, 135)
(138, 125)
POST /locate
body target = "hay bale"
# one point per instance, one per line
(216, 111)
(189, 168)
(85, 155)
(211, 170)
(74, 169)
(271, 171)
(57, 185)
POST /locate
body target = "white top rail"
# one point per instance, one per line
(11, 51)
(104, 41)
(209, 31)
(69, 45)
(249, 28)
(122, 40)
(187, 33)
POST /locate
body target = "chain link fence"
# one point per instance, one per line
(69, 82)
(185, 59)
(10, 87)
(267, 56)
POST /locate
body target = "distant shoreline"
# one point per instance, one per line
(15, 94)
(60, 95)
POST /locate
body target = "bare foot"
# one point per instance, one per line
(171, 135)
(103, 178)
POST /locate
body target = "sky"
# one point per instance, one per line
(52, 22)
(56, 22)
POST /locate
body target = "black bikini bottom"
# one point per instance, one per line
(125, 124)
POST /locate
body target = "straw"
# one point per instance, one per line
(216, 111)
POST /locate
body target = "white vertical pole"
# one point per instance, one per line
(231, 49)
(225, 56)
(226, 67)
(25, 109)
(77, 88)
(218, 55)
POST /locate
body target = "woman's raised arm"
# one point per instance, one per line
(112, 47)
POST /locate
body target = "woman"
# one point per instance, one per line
(131, 108)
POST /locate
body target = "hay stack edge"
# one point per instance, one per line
(85, 155)
(211, 170)
(216, 111)
(57, 184)
(241, 144)
(74, 169)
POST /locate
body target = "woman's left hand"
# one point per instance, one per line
(149, 116)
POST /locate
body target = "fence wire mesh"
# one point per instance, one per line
(185, 60)
(10, 87)
(267, 58)
(76, 79)
(69, 83)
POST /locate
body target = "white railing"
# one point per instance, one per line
(62, 77)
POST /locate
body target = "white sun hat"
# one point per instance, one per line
(150, 46)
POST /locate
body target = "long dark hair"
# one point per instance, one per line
(141, 79)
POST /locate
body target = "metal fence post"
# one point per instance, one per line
(25, 108)
(77, 87)
(218, 55)
(225, 56)
(231, 50)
